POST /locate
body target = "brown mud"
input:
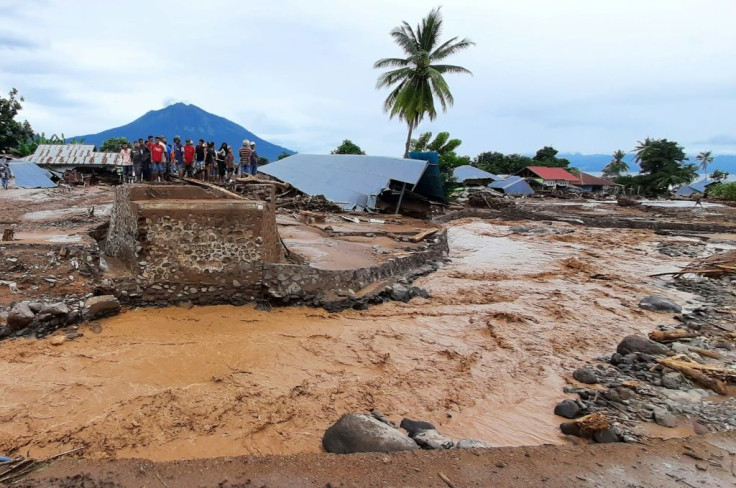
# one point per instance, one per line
(485, 357)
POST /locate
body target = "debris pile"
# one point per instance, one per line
(716, 266)
(481, 197)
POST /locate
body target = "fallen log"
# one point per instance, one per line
(211, 186)
(258, 181)
(698, 372)
(672, 335)
(706, 353)
(8, 234)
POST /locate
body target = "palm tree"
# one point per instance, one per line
(641, 148)
(416, 79)
(705, 159)
(616, 166)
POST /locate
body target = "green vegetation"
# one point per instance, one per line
(13, 133)
(719, 175)
(417, 79)
(704, 158)
(723, 191)
(114, 144)
(662, 164)
(282, 156)
(347, 147)
(616, 166)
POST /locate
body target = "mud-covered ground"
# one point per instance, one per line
(519, 307)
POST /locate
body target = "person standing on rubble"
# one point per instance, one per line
(5, 174)
(177, 157)
(253, 159)
(145, 161)
(199, 152)
(126, 162)
(188, 159)
(136, 156)
(209, 162)
(230, 162)
(157, 159)
(245, 153)
(221, 162)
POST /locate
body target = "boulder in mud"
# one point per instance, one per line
(658, 303)
(399, 293)
(471, 444)
(413, 427)
(586, 375)
(635, 343)
(356, 432)
(101, 306)
(20, 316)
(567, 408)
(606, 436)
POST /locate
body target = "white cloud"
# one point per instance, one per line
(584, 76)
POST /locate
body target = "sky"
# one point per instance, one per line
(587, 76)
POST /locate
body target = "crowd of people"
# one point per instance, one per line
(155, 159)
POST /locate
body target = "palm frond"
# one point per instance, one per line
(448, 68)
(390, 63)
(450, 47)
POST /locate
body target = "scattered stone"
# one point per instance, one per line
(471, 444)
(356, 432)
(20, 316)
(679, 348)
(586, 375)
(35, 306)
(57, 309)
(658, 303)
(673, 380)
(636, 343)
(187, 305)
(101, 306)
(570, 428)
(665, 419)
(5, 332)
(606, 436)
(399, 293)
(413, 427)
(58, 340)
(567, 408)
(432, 439)
(95, 327)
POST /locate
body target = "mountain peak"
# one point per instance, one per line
(190, 122)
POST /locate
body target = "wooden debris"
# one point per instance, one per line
(8, 234)
(212, 186)
(595, 422)
(706, 353)
(423, 234)
(713, 266)
(672, 335)
(706, 375)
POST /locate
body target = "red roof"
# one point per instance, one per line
(590, 180)
(553, 173)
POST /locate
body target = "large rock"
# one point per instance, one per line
(413, 427)
(636, 343)
(567, 408)
(356, 432)
(586, 375)
(20, 316)
(658, 303)
(57, 309)
(101, 306)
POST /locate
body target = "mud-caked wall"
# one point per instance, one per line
(122, 237)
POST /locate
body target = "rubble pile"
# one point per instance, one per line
(311, 203)
(481, 197)
(677, 376)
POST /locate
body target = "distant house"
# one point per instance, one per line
(470, 175)
(594, 184)
(513, 185)
(697, 188)
(553, 177)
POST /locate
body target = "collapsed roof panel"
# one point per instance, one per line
(29, 175)
(351, 181)
(467, 172)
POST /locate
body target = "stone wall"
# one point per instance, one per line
(303, 283)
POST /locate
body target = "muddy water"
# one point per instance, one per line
(485, 357)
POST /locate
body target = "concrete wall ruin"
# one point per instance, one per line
(185, 243)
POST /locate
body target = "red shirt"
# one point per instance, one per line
(157, 153)
(188, 154)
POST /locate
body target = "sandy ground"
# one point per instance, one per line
(697, 462)
(486, 357)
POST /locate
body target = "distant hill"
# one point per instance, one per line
(596, 162)
(187, 121)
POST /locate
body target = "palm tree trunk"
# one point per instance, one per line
(408, 138)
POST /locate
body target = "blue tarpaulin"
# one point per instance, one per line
(430, 185)
(29, 175)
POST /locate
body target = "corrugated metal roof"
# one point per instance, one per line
(351, 181)
(697, 187)
(73, 155)
(513, 185)
(430, 184)
(467, 172)
(553, 173)
(590, 180)
(29, 175)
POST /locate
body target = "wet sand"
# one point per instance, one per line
(486, 357)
